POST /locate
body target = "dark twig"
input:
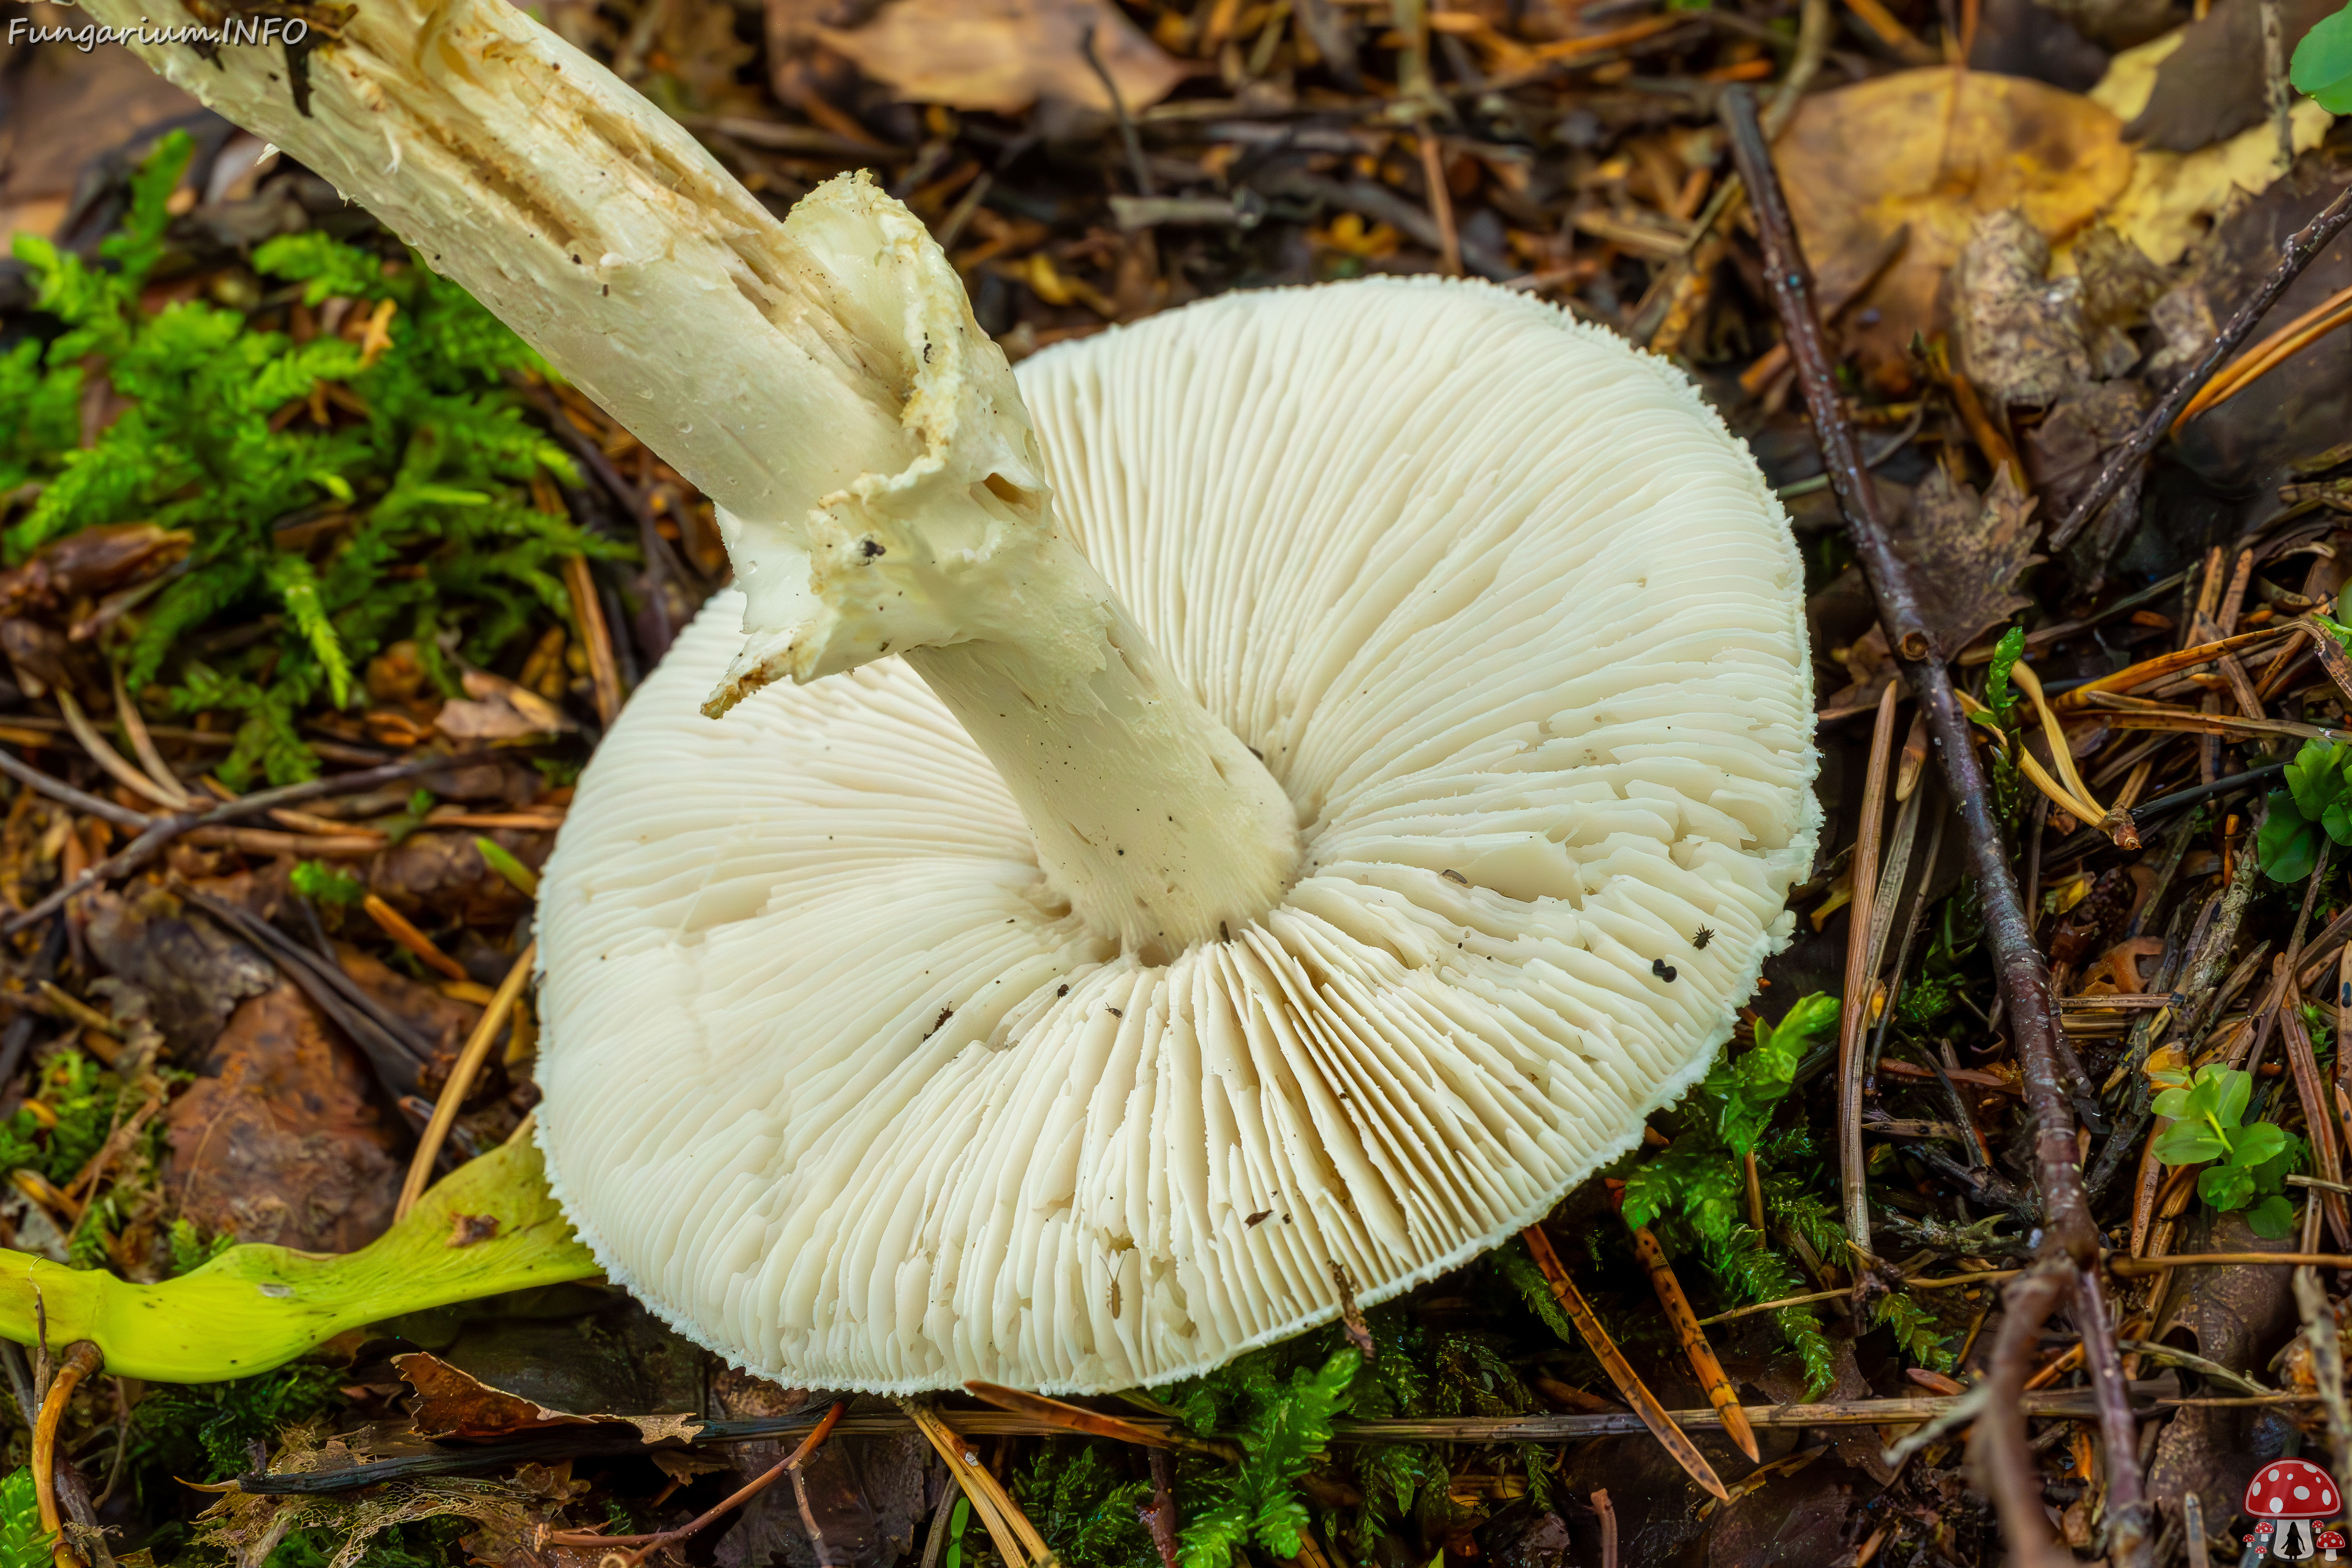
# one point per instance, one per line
(2069, 1232)
(1999, 1435)
(396, 1051)
(2163, 806)
(1136, 162)
(660, 561)
(158, 831)
(637, 1548)
(57, 789)
(2299, 251)
(580, 1442)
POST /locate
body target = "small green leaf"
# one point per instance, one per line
(2323, 63)
(2314, 777)
(2288, 846)
(2188, 1143)
(316, 879)
(2226, 1187)
(2272, 1219)
(498, 858)
(2258, 1144)
(1999, 696)
(2173, 1105)
(2233, 1090)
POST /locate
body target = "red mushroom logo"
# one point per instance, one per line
(2331, 1542)
(2288, 1494)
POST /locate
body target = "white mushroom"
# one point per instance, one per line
(859, 1069)
(984, 1008)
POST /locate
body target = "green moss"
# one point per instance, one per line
(423, 465)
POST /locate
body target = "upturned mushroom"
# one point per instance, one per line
(1247, 813)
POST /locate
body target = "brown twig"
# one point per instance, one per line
(1441, 200)
(155, 832)
(2269, 353)
(637, 1548)
(1018, 1540)
(2068, 1230)
(603, 672)
(404, 932)
(461, 1079)
(1999, 1436)
(1861, 979)
(1608, 1515)
(1636, 1394)
(1093, 1423)
(2299, 251)
(81, 1360)
(1692, 1339)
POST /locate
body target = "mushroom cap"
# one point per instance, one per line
(837, 1085)
(2331, 1540)
(2291, 1489)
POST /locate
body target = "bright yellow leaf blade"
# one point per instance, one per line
(255, 1308)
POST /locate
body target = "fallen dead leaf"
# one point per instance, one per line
(2209, 86)
(2065, 452)
(192, 973)
(1935, 149)
(281, 1141)
(2021, 332)
(453, 1404)
(1000, 56)
(499, 709)
(1968, 552)
(2172, 198)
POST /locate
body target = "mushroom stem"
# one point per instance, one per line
(823, 380)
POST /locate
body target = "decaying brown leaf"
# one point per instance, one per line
(191, 971)
(2173, 198)
(2209, 87)
(999, 56)
(2065, 452)
(280, 1140)
(2021, 332)
(495, 708)
(452, 1404)
(1935, 149)
(1968, 552)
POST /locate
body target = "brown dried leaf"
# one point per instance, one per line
(1966, 553)
(192, 973)
(89, 562)
(2020, 333)
(453, 1404)
(682, 1465)
(2210, 87)
(281, 1142)
(499, 710)
(2065, 452)
(999, 56)
(1935, 148)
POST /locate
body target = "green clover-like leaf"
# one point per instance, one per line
(2272, 1219)
(2226, 1187)
(2287, 845)
(2188, 1143)
(2323, 63)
